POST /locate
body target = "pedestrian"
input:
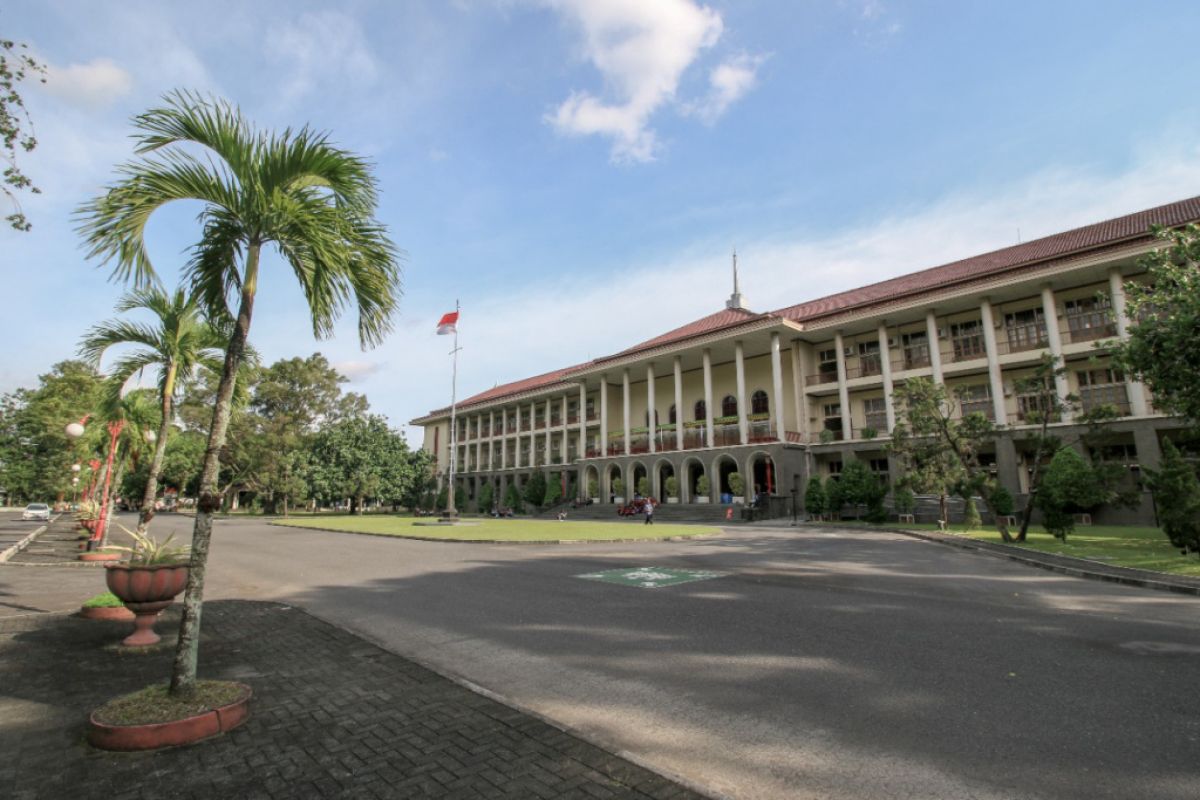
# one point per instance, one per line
(649, 512)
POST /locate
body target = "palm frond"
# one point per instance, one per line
(114, 332)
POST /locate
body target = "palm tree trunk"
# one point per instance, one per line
(187, 651)
(160, 450)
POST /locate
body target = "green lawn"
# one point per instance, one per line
(500, 530)
(1119, 545)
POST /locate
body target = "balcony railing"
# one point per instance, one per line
(592, 416)
(541, 423)
(572, 419)
(877, 422)
(968, 348)
(985, 407)
(867, 365)
(593, 452)
(1113, 394)
(693, 438)
(824, 376)
(914, 357)
(1090, 326)
(1019, 338)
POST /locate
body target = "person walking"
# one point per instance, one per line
(649, 512)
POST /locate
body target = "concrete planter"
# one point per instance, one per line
(107, 613)
(170, 734)
(145, 591)
(618, 501)
(702, 500)
(672, 500)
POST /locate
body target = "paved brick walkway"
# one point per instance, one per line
(333, 716)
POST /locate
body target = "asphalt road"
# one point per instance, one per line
(824, 664)
(13, 529)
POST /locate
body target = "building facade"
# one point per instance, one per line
(783, 395)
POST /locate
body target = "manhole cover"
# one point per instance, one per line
(651, 577)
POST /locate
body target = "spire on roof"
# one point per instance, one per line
(735, 301)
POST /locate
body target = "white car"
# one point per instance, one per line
(37, 511)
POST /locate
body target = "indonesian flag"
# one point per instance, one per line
(448, 324)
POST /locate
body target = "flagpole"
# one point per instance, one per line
(451, 512)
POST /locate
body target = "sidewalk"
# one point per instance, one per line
(333, 716)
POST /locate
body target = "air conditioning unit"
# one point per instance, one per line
(943, 333)
(848, 352)
(1009, 389)
(892, 342)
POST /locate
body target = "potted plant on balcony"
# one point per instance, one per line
(702, 489)
(148, 582)
(618, 487)
(737, 487)
(672, 489)
(869, 433)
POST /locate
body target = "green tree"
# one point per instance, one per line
(814, 496)
(487, 497)
(1068, 487)
(314, 203)
(553, 490)
(737, 484)
(512, 499)
(1164, 323)
(176, 342)
(1177, 495)
(861, 488)
(535, 488)
(643, 486)
(834, 496)
(360, 458)
(16, 128)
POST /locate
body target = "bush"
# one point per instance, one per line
(535, 489)
(1068, 487)
(703, 486)
(814, 496)
(904, 501)
(1002, 501)
(834, 498)
(971, 518)
(618, 487)
(443, 498)
(737, 486)
(512, 498)
(860, 486)
(1177, 495)
(553, 490)
(593, 487)
(643, 486)
(672, 486)
(487, 496)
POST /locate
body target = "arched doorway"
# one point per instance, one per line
(693, 471)
(591, 483)
(611, 476)
(637, 477)
(763, 477)
(723, 467)
(663, 470)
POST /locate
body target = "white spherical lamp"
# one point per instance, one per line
(74, 430)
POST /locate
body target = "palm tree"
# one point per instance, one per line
(178, 341)
(294, 192)
(139, 414)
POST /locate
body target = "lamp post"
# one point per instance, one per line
(75, 468)
(93, 465)
(74, 431)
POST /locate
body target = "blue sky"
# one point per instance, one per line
(576, 172)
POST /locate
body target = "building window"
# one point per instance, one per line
(759, 403)
(875, 412)
(833, 419)
(835, 469)
(671, 415)
(827, 365)
(977, 399)
(1026, 329)
(916, 349)
(967, 340)
(729, 406)
(869, 362)
(1090, 318)
(879, 466)
(701, 411)
(1102, 387)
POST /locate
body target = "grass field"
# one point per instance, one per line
(1119, 545)
(500, 530)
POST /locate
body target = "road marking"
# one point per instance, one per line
(651, 577)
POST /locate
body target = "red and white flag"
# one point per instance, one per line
(448, 324)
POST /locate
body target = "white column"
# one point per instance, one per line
(650, 407)
(1054, 337)
(843, 391)
(739, 358)
(678, 405)
(604, 416)
(885, 366)
(800, 391)
(625, 406)
(582, 421)
(504, 439)
(935, 346)
(993, 359)
(1135, 390)
(777, 387)
(708, 399)
(548, 431)
(566, 431)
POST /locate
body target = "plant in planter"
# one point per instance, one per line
(155, 573)
(106, 606)
(826, 436)
(737, 487)
(618, 487)
(869, 433)
(594, 490)
(643, 486)
(702, 488)
(672, 489)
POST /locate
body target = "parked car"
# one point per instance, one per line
(39, 511)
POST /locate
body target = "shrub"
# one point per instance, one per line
(703, 486)
(487, 496)
(593, 487)
(535, 488)
(1069, 486)
(826, 436)
(512, 498)
(442, 500)
(737, 485)
(643, 486)
(869, 433)
(834, 497)
(971, 518)
(104, 600)
(904, 501)
(1002, 501)
(618, 487)
(814, 496)
(672, 486)
(553, 490)
(1177, 494)
(861, 487)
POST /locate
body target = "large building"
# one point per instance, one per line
(782, 395)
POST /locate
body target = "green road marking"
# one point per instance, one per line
(651, 577)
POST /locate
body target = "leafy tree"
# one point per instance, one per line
(360, 458)
(16, 128)
(971, 519)
(737, 484)
(176, 342)
(1002, 501)
(593, 487)
(1177, 495)
(643, 486)
(672, 487)
(834, 496)
(904, 501)
(814, 496)
(421, 480)
(443, 500)
(1164, 330)
(939, 448)
(861, 488)
(512, 498)
(553, 490)
(314, 202)
(535, 488)
(1069, 487)
(487, 496)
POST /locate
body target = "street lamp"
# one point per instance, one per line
(74, 431)
(150, 436)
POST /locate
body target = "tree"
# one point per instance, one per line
(1177, 495)
(16, 128)
(834, 497)
(643, 486)
(512, 498)
(939, 447)
(672, 486)
(177, 342)
(1068, 487)
(487, 496)
(553, 490)
(860, 488)
(737, 484)
(814, 497)
(1164, 332)
(535, 488)
(314, 203)
(360, 458)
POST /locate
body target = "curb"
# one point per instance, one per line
(471, 686)
(28, 540)
(1074, 566)
(683, 537)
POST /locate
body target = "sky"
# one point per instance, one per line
(576, 173)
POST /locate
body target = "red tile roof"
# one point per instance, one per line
(726, 318)
(516, 387)
(1109, 232)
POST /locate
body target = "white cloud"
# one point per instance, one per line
(94, 85)
(642, 49)
(325, 48)
(356, 371)
(505, 338)
(729, 82)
